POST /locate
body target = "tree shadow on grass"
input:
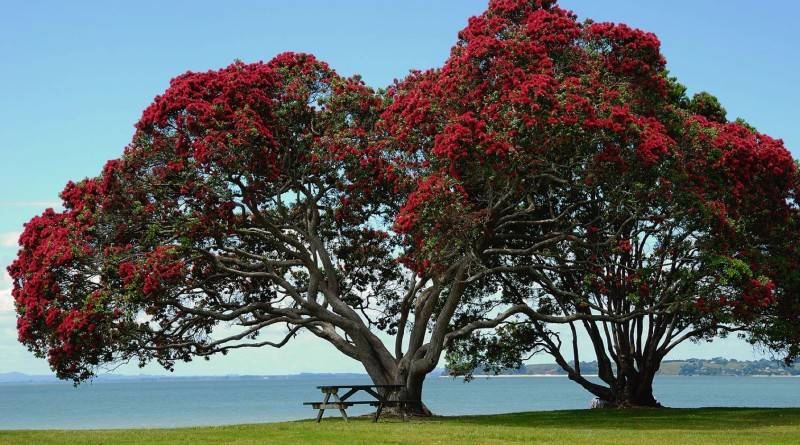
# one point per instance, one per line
(646, 419)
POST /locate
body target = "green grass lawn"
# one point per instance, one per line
(724, 426)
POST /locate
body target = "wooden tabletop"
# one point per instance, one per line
(360, 386)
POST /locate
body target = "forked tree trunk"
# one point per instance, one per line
(410, 368)
(626, 386)
(412, 395)
(634, 391)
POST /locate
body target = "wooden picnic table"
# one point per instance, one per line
(379, 397)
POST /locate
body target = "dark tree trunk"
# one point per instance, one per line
(412, 394)
(628, 384)
(385, 372)
(634, 390)
(631, 388)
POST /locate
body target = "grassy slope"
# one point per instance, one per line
(723, 426)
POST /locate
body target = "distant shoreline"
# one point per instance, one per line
(717, 367)
(45, 379)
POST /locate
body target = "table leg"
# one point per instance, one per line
(322, 410)
(400, 405)
(341, 407)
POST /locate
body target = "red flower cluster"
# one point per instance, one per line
(218, 161)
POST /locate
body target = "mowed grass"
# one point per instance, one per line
(724, 426)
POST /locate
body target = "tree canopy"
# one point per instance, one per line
(221, 210)
(254, 202)
(592, 191)
(549, 174)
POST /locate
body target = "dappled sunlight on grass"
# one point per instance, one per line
(699, 418)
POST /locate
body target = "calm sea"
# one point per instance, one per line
(178, 403)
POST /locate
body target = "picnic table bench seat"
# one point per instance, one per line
(379, 401)
(338, 405)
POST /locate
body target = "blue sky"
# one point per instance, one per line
(77, 75)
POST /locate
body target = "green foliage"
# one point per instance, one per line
(708, 106)
(491, 354)
(744, 123)
(730, 270)
(723, 367)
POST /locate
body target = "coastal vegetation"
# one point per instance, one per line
(689, 367)
(711, 426)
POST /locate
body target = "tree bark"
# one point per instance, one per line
(633, 389)
(412, 394)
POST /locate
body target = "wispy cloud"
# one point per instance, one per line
(39, 204)
(9, 239)
(6, 302)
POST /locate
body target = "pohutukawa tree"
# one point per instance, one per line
(251, 205)
(588, 192)
(549, 174)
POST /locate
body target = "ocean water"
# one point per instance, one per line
(179, 403)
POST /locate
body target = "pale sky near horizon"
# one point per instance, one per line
(77, 75)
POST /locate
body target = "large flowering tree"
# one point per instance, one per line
(253, 203)
(549, 174)
(587, 191)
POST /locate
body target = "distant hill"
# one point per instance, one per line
(18, 377)
(690, 367)
(724, 367)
